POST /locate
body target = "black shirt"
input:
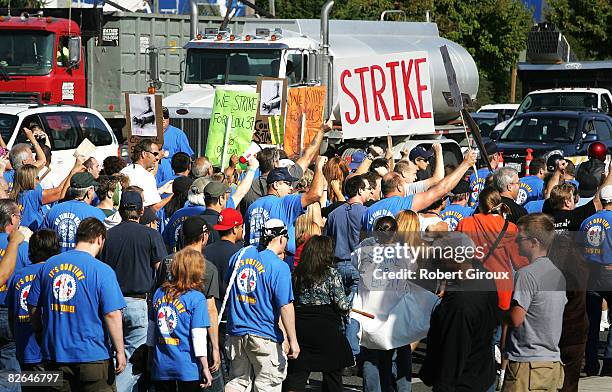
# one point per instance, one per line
(459, 339)
(210, 281)
(212, 218)
(517, 211)
(132, 249)
(219, 254)
(570, 220)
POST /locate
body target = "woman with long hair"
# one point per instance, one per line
(180, 189)
(320, 303)
(335, 171)
(177, 328)
(305, 228)
(30, 196)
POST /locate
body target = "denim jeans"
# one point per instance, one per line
(350, 281)
(593, 303)
(135, 322)
(8, 358)
(387, 370)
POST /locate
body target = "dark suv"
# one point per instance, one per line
(566, 133)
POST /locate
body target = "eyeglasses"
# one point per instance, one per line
(155, 153)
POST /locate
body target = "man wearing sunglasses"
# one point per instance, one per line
(144, 158)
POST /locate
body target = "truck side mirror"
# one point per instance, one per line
(74, 51)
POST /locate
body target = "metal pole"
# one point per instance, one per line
(326, 77)
(272, 6)
(228, 128)
(193, 23)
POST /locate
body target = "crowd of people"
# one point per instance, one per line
(165, 273)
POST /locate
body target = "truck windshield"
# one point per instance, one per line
(26, 52)
(558, 101)
(7, 125)
(540, 129)
(220, 66)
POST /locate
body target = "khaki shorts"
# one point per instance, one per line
(533, 376)
(255, 360)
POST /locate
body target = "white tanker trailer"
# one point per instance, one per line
(303, 51)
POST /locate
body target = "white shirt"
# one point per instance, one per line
(141, 177)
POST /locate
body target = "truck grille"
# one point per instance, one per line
(196, 130)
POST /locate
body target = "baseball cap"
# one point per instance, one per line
(605, 194)
(285, 163)
(148, 216)
(194, 226)
(83, 180)
(420, 152)
(356, 159)
(181, 184)
(216, 189)
(197, 187)
(274, 228)
(462, 187)
(228, 219)
(165, 112)
(280, 174)
(491, 148)
(130, 200)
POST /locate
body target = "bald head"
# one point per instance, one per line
(393, 185)
(201, 167)
(20, 155)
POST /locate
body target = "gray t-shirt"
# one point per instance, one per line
(416, 187)
(540, 290)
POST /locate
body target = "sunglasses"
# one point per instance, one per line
(155, 154)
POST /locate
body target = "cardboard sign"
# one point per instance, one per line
(272, 105)
(86, 149)
(388, 94)
(303, 103)
(142, 123)
(241, 107)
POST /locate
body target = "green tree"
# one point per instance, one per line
(587, 24)
(22, 3)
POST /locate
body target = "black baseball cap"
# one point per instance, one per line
(420, 152)
(194, 226)
(130, 200)
(165, 112)
(280, 174)
(462, 187)
(491, 148)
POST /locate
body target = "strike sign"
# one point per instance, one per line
(383, 95)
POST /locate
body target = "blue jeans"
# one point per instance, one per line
(350, 281)
(135, 323)
(593, 302)
(8, 357)
(387, 370)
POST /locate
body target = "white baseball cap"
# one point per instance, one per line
(605, 194)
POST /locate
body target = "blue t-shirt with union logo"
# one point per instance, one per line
(477, 184)
(173, 227)
(531, 188)
(27, 348)
(30, 203)
(174, 318)
(261, 287)
(23, 260)
(65, 218)
(597, 241)
(454, 213)
(287, 209)
(74, 291)
(389, 206)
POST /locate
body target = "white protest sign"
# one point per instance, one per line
(382, 95)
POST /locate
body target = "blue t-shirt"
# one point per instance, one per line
(173, 227)
(65, 218)
(164, 172)
(23, 260)
(29, 204)
(598, 237)
(269, 207)
(174, 318)
(74, 291)
(9, 176)
(344, 227)
(27, 348)
(175, 141)
(477, 185)
(454, 213)
(261, 288)
(389, 206)
(534, 206)
(531, 188)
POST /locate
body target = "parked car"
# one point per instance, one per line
(66, 127)
(504, 110)
(570, 98)
(486, 122)
(547, 133)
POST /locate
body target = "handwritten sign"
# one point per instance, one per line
(310, 102)
(132, 116)
(388, 94)
(241, 106)
(272, 107)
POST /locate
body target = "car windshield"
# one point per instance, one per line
(540, 129)
(219, 66)
(558, 101)
(486, 125)
(26, 52)
(7, 125)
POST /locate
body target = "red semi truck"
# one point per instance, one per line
(41, 59)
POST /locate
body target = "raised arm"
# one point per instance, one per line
(425, 199)
(554, 181)
(245, 185)
(438, 173)
(55, 194)
(606, 181)
(311, 152)
(318, 184)
(40, 155)
(7, 266)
